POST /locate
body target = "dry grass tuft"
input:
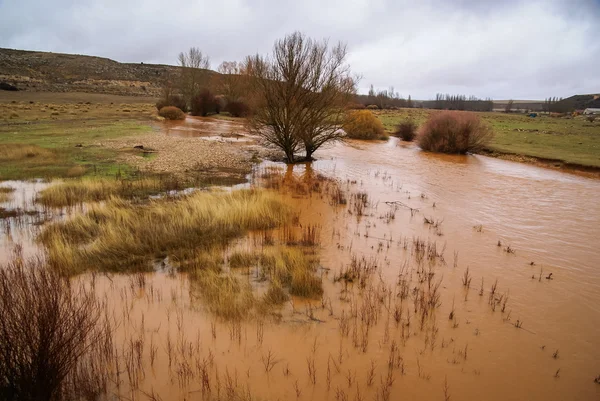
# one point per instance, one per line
(293, 269)
(6, 193)
(242, 259)
(120, 235)
(223, 294)
(76, 192)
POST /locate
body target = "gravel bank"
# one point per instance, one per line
(179, 155)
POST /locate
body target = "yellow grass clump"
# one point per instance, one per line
(293, 269)
(223, 294)
(121, 236)
(362, 124)
(5, 194)
(74, 192)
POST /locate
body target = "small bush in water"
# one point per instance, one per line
(362, 124)
(171, 113)
(407, 131)
(454, 132)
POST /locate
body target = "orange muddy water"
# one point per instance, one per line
(207, 128)
(526, 338)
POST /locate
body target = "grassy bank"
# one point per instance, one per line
(574, 141)
(52, 149)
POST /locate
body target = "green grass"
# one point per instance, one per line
(575, 141)
(63, 149)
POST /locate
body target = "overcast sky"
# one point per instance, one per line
(499, 48)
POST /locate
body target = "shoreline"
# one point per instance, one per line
(553, 164)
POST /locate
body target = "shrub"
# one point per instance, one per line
(204, 103)
(7, 87)
(172, 113)
(174, 100)
(591, 118)
(51, 336)
(238, 109)
(407, 131)
(363, 124)
(454, 132)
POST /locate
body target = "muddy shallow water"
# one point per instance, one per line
(545, 221)
(208, 128)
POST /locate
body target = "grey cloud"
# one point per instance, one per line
(502, 49)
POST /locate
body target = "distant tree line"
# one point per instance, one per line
(459, 102)
(384, 99)
(557, 105)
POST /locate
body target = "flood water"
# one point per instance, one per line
(504, 221)
(208, 128)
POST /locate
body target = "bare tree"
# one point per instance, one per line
(509, 106)
(233, 81)
(193, 75)
(302, 90)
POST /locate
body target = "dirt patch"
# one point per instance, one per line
(181, 156)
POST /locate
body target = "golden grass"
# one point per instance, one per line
(75, 192)
(224, 295)
(242, 259)
(14, 152)
(275, 295)
(5, 193)
(293, 269)
(289, 270)
(120, 235)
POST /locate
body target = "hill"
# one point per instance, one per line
(580, 102)
(57, 72)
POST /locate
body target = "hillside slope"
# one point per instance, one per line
(580, 102)
(56, 72)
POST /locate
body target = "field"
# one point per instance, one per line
(77, 134)
(572, 141)
(60, 138)
(396, 273)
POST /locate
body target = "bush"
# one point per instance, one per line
(407, 131)
(238, 109)
(363, 124)
(50, 335)
(591, 118)
(175, 100)
(171, 113)
(204, 103)
(454, 132)
(7, 87)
